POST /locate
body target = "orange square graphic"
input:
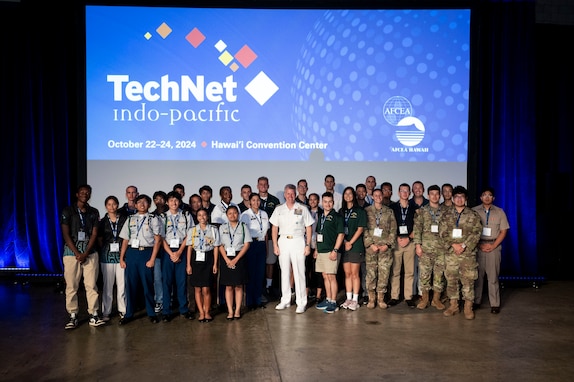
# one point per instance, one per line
(163, 30)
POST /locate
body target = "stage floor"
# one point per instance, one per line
(530, 340)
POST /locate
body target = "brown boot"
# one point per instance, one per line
(468, 312)
(436, 302)
(381, 300)
(424, 301)
(452, 309)
(371, 303)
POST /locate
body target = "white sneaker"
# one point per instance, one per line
(282, 306)
(354, 305)
(300, 309)
(346, 304)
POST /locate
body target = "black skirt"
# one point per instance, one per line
(202, 271)
(237, 276)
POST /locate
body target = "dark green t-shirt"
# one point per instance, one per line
(330, 227)
(353, 219)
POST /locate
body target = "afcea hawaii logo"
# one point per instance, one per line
(410, 131)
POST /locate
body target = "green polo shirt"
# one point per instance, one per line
(330, 227)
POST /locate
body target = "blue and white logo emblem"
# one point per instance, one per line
(398, 111)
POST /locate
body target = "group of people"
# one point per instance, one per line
(359, 239)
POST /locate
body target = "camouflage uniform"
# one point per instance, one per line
(432, 260)
(379, 264)
(463, 268)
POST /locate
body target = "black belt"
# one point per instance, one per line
(143, 248)
(488, 241)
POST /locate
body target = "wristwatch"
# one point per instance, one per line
(463, 246)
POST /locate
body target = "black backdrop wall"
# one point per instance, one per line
(519, 124)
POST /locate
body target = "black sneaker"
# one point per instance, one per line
(95, 320)
(189, 316)
(72, 323)
(166, 318)
(153, 319)
(393, 302)
(411, 303)
(125, 320)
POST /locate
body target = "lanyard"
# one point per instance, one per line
(224, 206)
(259, 220)
(487, 216)
(434, 214)
(232, 234)
(322, 222)
(174, 223)
(378, 215)
(82, 225)
(458, 218)
(347, 216)
(140, 225)
(404, 213)
(114, 227)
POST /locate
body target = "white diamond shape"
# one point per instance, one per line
(220, 46)
(261, 88)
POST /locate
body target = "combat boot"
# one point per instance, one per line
(468, 312)
(381, 300)
(371, 303)
(436, 302)
(424, 301)
(452, 309)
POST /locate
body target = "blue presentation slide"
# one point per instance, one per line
(277, 84)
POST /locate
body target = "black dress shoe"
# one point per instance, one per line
(393, 302)
(495, 310)
(208, 320)
(411, 303)
(125, 320)
(189, 316)
(475, 306)
(166, 318)
(153, 319)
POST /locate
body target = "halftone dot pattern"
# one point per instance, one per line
(354, 61)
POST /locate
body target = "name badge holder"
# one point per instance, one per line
(81, 236)
(230, 251)
(434, 228)
(200, 256)
(456, 233)
(378, 232)
(114, 247)
(135, 243)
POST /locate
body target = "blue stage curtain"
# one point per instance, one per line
(35, 120)
(506, 137)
